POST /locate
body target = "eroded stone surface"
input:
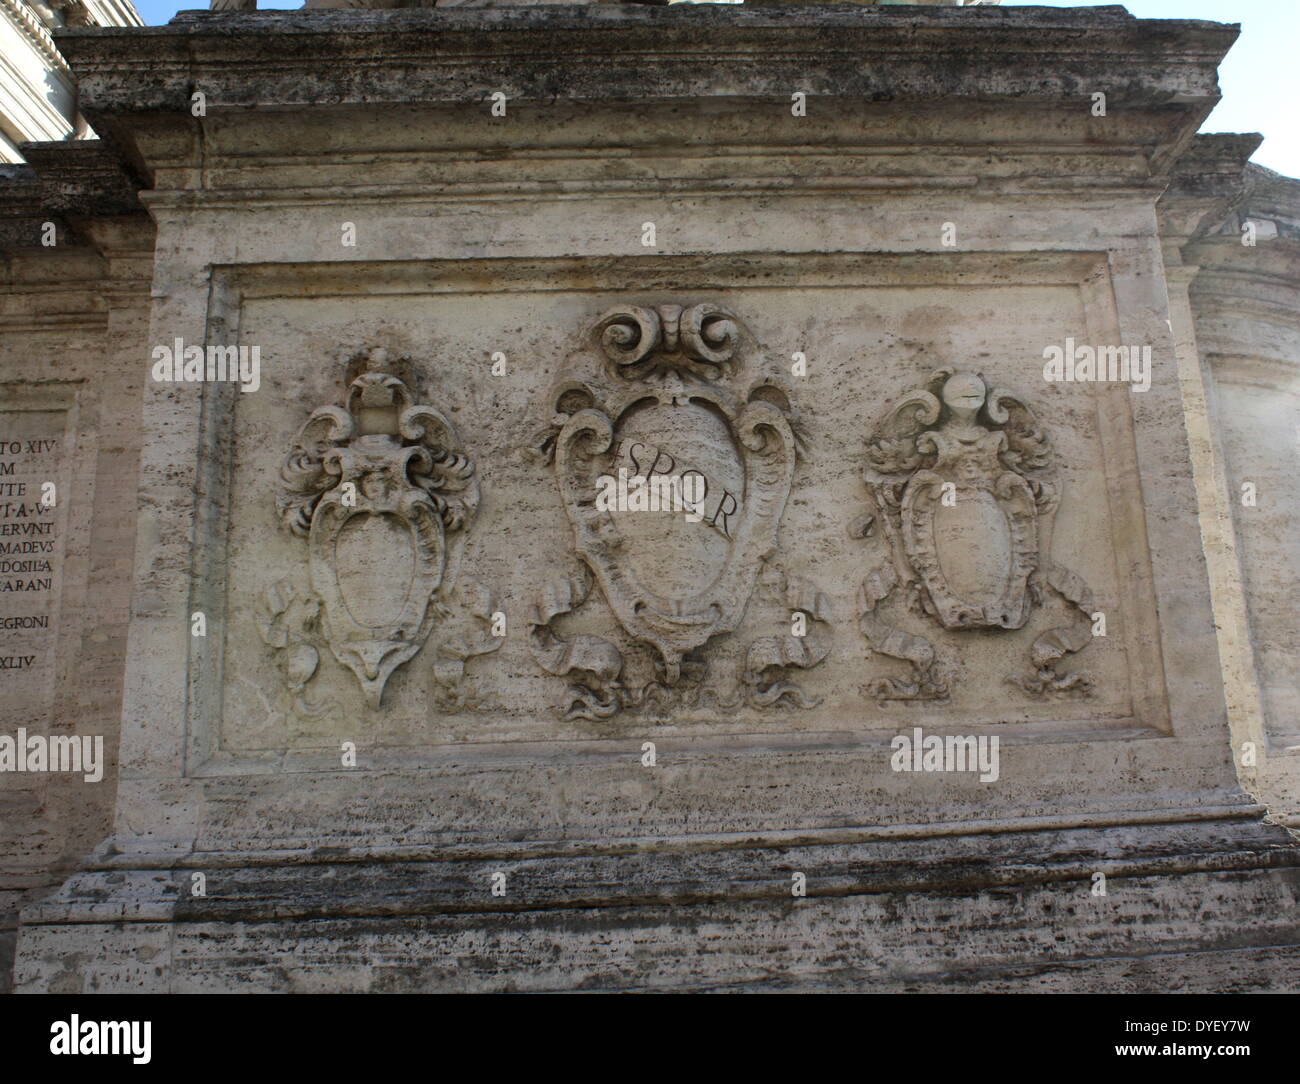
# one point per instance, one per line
(433, 653)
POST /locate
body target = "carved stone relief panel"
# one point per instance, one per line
(674, 471)
(963, 481)
(610, 612)
(378, 488)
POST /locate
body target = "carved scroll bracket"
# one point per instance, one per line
(924, 683)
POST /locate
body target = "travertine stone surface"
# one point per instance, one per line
(433, 653)
(1231, 247)
(71, 321)
(1247, 305)
(974, 911)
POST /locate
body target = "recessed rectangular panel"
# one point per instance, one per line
(756, 615)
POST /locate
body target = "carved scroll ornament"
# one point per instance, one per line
(963, 482)
(377, 487)
(665, 410)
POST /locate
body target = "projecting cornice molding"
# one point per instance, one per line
(66, 182)
(1271, 197)
(938, 90)
(1207, 181)
(680, 52)
(1263, 279)
(82, 177)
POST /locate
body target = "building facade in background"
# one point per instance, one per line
(38, 98)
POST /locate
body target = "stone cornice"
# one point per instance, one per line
(1207, 181)
(1260, 283)
(1273, 197)
(1275, 374)
(22, 213)
(63, 182)
(82, 177)
(638, 53)
(1273, 260)
(930, 92)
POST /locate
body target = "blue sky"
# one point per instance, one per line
(1259, 80)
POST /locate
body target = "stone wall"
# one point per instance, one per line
(1246, 299)
(406, 706)
(72, 319)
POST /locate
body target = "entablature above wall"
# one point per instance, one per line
(992, 97)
